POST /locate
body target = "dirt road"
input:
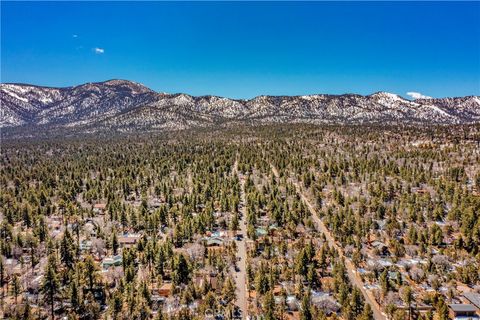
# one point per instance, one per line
(351, 270)
(241, 274)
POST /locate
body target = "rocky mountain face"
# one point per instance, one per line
(127, 106)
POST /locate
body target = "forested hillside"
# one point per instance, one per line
(277, 222)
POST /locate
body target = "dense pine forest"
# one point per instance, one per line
(275, 222)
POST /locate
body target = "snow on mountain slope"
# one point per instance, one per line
(20, 103)
(125, 105)
(24, 104)
(465, 108)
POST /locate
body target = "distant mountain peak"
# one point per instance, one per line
(388, 95)
(120, 82)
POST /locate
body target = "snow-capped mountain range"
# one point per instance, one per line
(128, 106)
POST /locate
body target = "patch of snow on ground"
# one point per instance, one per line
(438, 110)
(46, 100)
(13, 94)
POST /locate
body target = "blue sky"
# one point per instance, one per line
(241, 50)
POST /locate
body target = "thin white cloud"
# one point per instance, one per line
(99, 50)
(74, 35)
(417, 95)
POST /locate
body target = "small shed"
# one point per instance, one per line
(99, 208)
(165, 290)
(128, 241)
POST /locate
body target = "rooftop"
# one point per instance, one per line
(462, 307)
(473, 297)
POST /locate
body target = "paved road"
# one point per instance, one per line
(351, 270)
(241, 275)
